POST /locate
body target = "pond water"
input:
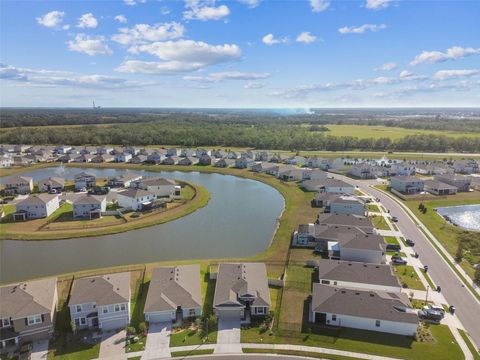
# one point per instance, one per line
(239, 221)
(465, 216)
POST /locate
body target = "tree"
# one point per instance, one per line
(477, 274)
(459, 253)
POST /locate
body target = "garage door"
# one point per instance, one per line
(159, 317)
(114, 324)
(229, 314)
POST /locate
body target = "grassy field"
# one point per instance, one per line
(379, 222)
(473, 350)
(185, 353)
(408, 276)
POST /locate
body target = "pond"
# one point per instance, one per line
(239, 221)
(464, 216)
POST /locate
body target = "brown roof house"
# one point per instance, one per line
(174, 294)
(101, 302)
(363, 309)
(241, 290)
(27, 311)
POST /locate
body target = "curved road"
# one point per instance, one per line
(468, 307)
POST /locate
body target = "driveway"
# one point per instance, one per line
(158, 341)
(40, 350)
(113, 345)
(228, 340)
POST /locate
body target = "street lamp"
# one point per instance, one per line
(426, 296)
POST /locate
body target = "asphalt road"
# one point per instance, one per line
(249, 357)
(467, 306)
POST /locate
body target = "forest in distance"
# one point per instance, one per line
(432, 132)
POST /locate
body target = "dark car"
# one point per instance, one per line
(394, 219)
(410, 242)
(399, 261)
(430, 315)
(393, 247)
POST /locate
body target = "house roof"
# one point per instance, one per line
(433, 184)
(134, 193)
(89, 199)
(336, 183)
(128, 177)
(28, 298)
(103, 290)
(157, 181)
(362, 241)
(174, 286)
(333, 231)
(360, 303)
(324, 196)
(347, 199)
(18, 180)
(407, 178)
(38, 199)
(345, 220)
(236, 280)
(53, 181)
(356, 272)
(83, 175)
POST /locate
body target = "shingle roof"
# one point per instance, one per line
(157, 181)
(235, 280)
(134, 193)
(362, 241)
(360, 303)
(103, 290)
(18, 179)
(174, 286)
(38, 199)
(345, 220)
(55, 181)
(89, 199)
(28, 298)
(439, 185)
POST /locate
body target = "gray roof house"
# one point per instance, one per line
(84, 180)
(241, 290)
(36, 206)
(89, 206)
(19, 185)
(173, 294)
(407, 184)
(369, 248)
(52, 183)
(27, 311)
(461, 182)
(346, 220)
(439, 188)
(362, 309)
(101, 302)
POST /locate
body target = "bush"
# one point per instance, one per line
(131, 330)
(142, 327)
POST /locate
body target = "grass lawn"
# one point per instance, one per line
(399, 253)
(379, 222)
(186, 353)
(473, 350)
(408, 276)
(391, 240)
(449, 235)
(296, 353)
(193, 337)
(373, 208)
(73, 349)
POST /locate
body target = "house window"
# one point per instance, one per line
(79, 308)
(334, 317)
(191, 312)
(117, 307)
(326, 282)
(105, 310)
(83, 321)
(36, 319)
(123, 307)
(377, 323)
(260, 310)
(5, 322)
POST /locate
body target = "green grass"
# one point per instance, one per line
(373, 208)
(391, 240)
(429, 281)
(408, 276)
(471, 347)
(186, 353)
(73, 349)
(379, 222)
(297, 353)
(193, 337)
(399, 253)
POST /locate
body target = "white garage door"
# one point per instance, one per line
(159, 317)
(114, 324)
(229, 314)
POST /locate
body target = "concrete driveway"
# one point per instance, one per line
(158, 341)
(113, 345)
(228, 340)
(40, 350)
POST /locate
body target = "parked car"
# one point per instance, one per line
(452, 309)
(410, 242)
(399, 261)
(393, 247)
(394, 219)
(430, 315)
(432, 307)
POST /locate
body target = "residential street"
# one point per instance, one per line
(468, 307)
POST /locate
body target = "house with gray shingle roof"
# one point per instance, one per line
(101, 302)
(135, 199)
(52, 183)
(89, 206)
(19, 185)
(36, 206)
(174, 293)
(27, 311)
(363, 309)
(241, 290)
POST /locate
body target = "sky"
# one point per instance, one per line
(240, 53)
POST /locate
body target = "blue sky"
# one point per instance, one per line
(242, 53)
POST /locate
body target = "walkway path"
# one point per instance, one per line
(158, 341)
(113, 345)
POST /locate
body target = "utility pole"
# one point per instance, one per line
(426, 296)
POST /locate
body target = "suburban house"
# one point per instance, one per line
(313, 185)
(318, 236)
(224, 163)
(466, 166)
(291, 174)
(27, 311)
(84, 180)
(102, 158)
(439, 188)
(323, 199)
(122, 156)
(461, 182)
(296, 160)
(357, 275)
(204, 159)
(241, 290)
(315, 174)
(36, 206)
(219, 154)
(403, 169)
(363, 309)
(138, 159)
(174, 294)
(200, 152)
(433, 169)
(89, 206)
(173, 152)
(101, 302)
(67, 158)
(361, 222)
(187, 153)
(262, 167)
(124, 180)
(475, 182)
(187, 161)
(171, 160)
(407, 184)
(83, 158)
(155, 158)
(337, 186)
(244, 163)
(50, 184)
(362, 171)
(369, 248)
(325, 164)
(135, 199)
(19, 185)
(158, 186)
(346, 204)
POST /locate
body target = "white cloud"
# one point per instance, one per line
(87, 21)
(64, 78)
(204, 10)
(165, 10)
(133, 2)
(52, 19)
(405, 74)
(269, 39)
(90, 45)
(319, 5)
(453, 53)
(453, 74)
(251, 3)
(377, 4)
(227, 75)
(387, 66)
(306, 37)
(66, 27)
(121, 19)
(142, 33)
(253, 85)
(180, 56)
(361, 29)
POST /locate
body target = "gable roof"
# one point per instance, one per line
(18, 180)
(89, 199)
(360, 303)
(83, 175)
(174, 286)
(103, 290)
(235, 280)
(28, 298)
(345, 220)
(362, 241)
(134, 193)
(38, 199)
(157, 181)
(55, 181)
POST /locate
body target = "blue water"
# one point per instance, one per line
(465, 216)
